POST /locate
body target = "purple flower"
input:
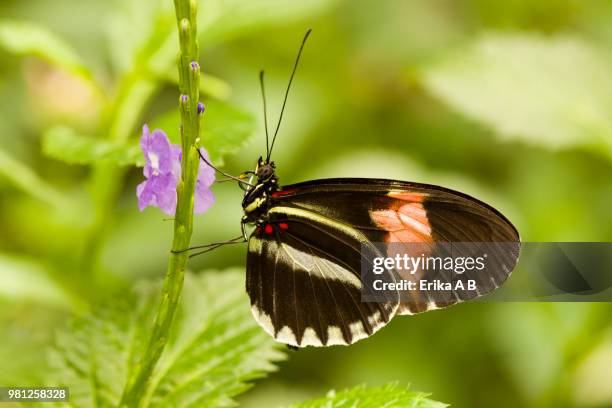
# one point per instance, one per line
(163, 171)
(203, 198)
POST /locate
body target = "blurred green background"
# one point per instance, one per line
(509, 101)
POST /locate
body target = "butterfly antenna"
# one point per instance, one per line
(280, 118)
(265, 110)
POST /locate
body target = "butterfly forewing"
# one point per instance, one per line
(411, 213)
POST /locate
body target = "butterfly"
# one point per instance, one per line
(305, 253)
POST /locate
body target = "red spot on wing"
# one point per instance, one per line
(283, 225)
(268, 229)
(282, 193)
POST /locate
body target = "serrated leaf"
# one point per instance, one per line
(63, 143)
(553, 92)
(225, 129)
(23, 38)
(215, 348)
(388, 396)
(92, 356)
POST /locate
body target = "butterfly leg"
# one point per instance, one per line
(215, 246)
(243, 223)
(209, 247)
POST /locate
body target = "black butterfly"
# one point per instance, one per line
(304, 255)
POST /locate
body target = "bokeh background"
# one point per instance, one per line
(509, 101)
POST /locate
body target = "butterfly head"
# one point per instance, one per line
(257, 196)
(265, 171)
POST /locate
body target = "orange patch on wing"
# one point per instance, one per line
(408, 223)
(407, 196)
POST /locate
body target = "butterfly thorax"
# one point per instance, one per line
(256, 201)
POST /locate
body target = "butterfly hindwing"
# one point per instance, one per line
(303, 279)
(389, 211)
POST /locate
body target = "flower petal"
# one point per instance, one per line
(144, 139)
(176, 160)
(160, 153)
(203, 198)
(145, 195)
(158, 191)
(165, 192)
(145, 142)
(163, 170)
(206, 174)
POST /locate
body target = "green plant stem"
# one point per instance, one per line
(138, 381)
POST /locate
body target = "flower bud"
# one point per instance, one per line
(184, 103)
(185, 26)
(184, 32)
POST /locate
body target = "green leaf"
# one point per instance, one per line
(214, 87)
(225, 129)
(224, 19)
(553, 92)
(136, 28)
(26, 38)
(388, 396)
(63, 143)
(24, 178)
(23, 279)
(215, 349)
(143, 32)
(210, 85)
